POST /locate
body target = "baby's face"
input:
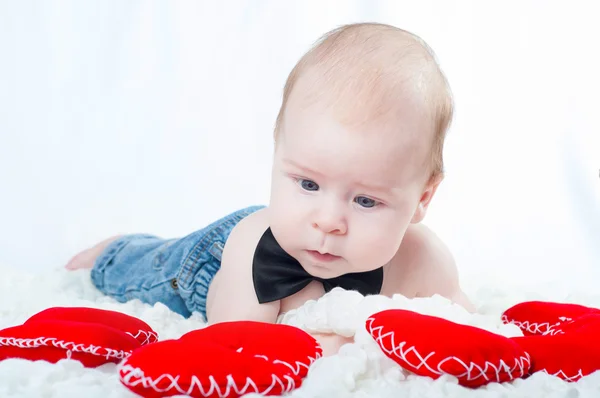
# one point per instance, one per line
(342, 197)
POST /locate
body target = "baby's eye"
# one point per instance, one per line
(308, 185)
(365, 202)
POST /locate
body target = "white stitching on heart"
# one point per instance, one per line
(299, 365)
(151, 337)
(294, 370)
(563, 376)
(553, 332)
(472, 371)
(550, 330)
(65, 345)
(128, 372)
(542, 328)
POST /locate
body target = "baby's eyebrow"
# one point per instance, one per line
(301, 167)
(376, 187)
(381, 188)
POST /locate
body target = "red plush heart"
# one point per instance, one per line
(569, 356)
(223, 360)
(134, 327)
(91, 344)
(540, 317)
(587, 322)
(431, 346)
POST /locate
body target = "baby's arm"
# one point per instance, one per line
(423, 267)
(231, 295)
(439, 271)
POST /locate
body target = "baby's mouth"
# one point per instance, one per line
(322, 257)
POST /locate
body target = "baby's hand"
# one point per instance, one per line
(331, 343)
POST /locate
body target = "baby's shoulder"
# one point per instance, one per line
(422, 265)
(254, 224)
(245, 235)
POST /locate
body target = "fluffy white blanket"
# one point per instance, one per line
(359, 370)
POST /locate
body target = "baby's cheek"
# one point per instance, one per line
(285, 217)
(285, 223)
(284, 204)
(374, 250)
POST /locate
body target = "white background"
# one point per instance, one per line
(157, 116)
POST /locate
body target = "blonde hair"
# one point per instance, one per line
(371, 63)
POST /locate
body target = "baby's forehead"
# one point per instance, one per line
(398, 116)
(366, 76)
(315, 136)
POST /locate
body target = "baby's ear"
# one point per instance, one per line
(426, 197)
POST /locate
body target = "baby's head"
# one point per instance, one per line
(358, 154)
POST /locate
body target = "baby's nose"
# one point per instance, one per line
(331, 223)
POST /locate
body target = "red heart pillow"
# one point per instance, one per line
(569, 356)
(134, 327)
(90, 344)
(88, 335)
(431, 346)
(223, 360)
(276, 351)
(540, 317)
(587, 322)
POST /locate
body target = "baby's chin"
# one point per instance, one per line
(324, 271)
(330, 270)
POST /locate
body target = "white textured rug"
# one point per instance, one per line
(359, 370)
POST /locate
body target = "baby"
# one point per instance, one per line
(357, 160)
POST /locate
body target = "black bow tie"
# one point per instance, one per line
(277, 275)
